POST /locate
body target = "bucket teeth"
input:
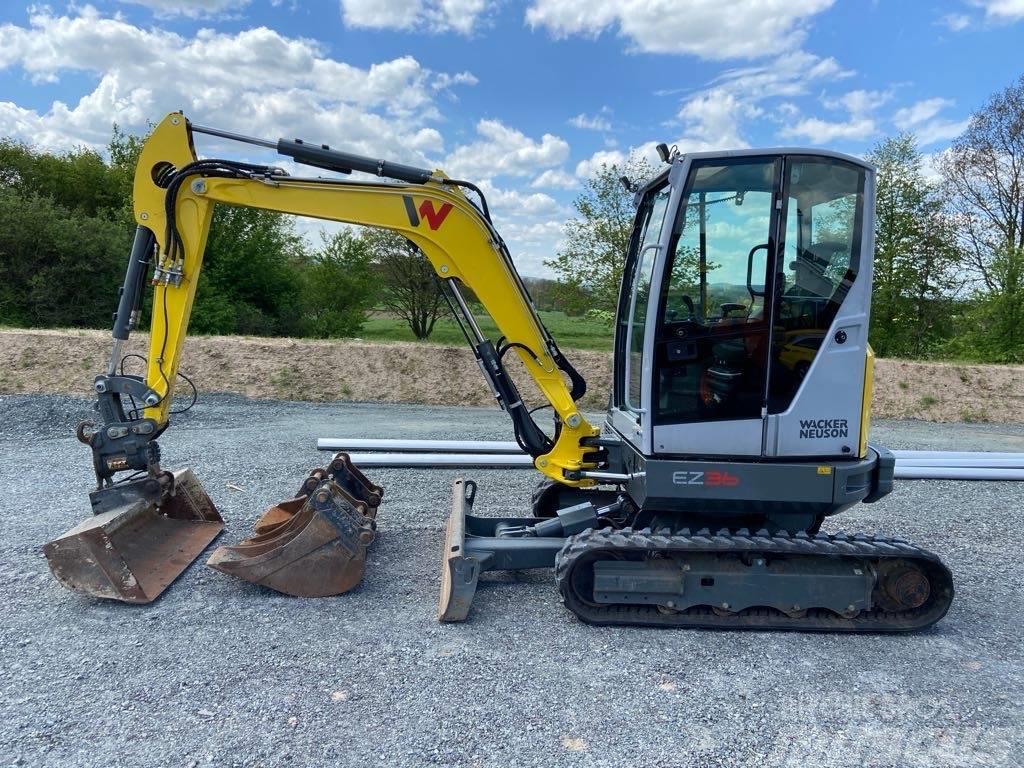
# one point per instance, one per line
(144, 535)
(315, 544)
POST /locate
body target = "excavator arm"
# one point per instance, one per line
(150, 524)
(174, 196)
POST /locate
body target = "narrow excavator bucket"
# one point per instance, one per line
(136, 544)
(313, 545)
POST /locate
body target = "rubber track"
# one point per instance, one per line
(592, 545)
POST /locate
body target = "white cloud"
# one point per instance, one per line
(712, 121)
(256, 81)
(710, 29)
(263, 83)
(190, 8)
(922, 119)
(860, 124)
(955, 22)
(909, 117)
(608, 157)
(940, 130)
(535, 233)
(591, 122)
(504, 151)
(788, 75)
(442, 80)
(713, 118)
(510, 202)
(1002, 10)
(587, 168)
(859, 102)
(435, 15)
(819, 131)
(530, 222)
(554, 178)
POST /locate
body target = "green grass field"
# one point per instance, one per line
(569, 332)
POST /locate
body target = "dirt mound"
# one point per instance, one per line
(300, 369)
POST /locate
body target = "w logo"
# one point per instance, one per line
(434, 217)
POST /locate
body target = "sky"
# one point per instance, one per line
(526, 99)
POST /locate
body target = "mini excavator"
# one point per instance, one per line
(738, 419)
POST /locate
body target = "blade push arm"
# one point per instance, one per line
(174, 195)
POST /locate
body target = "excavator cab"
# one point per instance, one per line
(734, 260)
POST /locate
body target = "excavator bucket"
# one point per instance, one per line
(313, 545)
(139, 541)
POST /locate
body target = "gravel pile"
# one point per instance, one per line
(218, 672)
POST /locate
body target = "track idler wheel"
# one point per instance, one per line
(901, 586)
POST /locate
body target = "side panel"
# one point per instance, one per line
(727, 486)
(740, 437)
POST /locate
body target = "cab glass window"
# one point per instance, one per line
(636, 295)
(711, 354)
(824, 205)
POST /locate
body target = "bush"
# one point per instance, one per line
(58, 267)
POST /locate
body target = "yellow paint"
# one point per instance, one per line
(865, 407)
(461, 247)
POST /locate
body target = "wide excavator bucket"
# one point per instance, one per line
(142, 537)
(313, 545)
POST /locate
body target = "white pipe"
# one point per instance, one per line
(957, 473)
(956, 455)
(955, 462)
(910, 465)
(521, 461)
(416, 446)
(442, 460)
(391, 445)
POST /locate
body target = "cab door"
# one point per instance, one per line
(713, 325)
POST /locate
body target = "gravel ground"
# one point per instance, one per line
(218, 672)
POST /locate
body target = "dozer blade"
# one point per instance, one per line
(144, 536)
(313, 545)
(459, 574)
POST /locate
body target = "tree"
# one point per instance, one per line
(550, 295)
(915, 253)
(409, 285)
(984, 172)
(63, 243)
(58, 267)
(339, 286)
(124, 150)
(78, 180)
(590, 264)
(250, 282)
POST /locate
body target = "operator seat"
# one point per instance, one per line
(810, 294)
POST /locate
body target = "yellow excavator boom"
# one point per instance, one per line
(436, 216)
